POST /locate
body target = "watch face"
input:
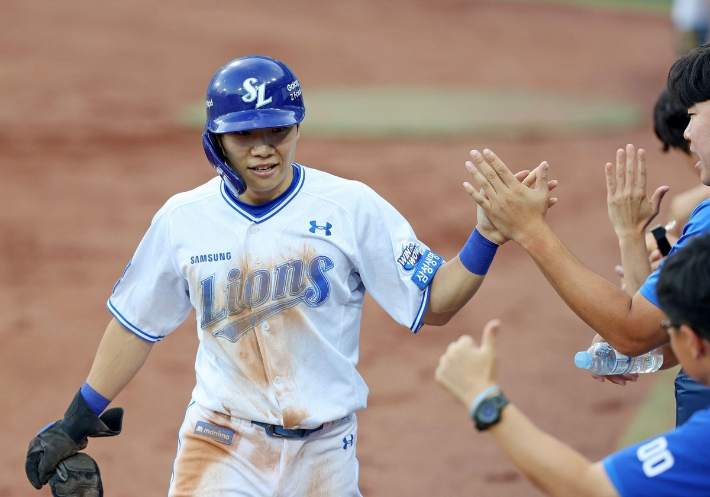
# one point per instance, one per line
(488, 412)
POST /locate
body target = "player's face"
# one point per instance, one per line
(698, 133)
(263, 157)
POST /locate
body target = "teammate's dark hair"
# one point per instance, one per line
(669, 122)
(683, 286)
(689, 77)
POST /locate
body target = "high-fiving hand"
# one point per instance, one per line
(513, 208)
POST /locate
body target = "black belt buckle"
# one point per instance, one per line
(276, 431)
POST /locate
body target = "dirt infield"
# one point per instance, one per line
(90, 149)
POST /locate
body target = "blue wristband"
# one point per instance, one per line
(97, 402)
(478, 253)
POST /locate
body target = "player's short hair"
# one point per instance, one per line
(689, 77)
(669, 122)
(683, 286)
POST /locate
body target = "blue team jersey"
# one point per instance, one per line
(690, 395)
(674, 464)
(699, 224)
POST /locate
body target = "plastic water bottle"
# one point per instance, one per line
(602, 359)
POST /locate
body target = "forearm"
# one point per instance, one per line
(549, 464)
(634, 259)
(452, 287)
(602, 305)
(119, 357)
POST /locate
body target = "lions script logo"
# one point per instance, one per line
(216, 433)
(284, 287)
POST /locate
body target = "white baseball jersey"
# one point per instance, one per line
(278, 291)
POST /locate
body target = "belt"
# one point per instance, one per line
(281, 432)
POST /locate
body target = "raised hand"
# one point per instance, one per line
(466, 369)
(630, 209)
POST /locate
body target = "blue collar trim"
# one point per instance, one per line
(260, 213)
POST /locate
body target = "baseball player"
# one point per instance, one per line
(275, 258)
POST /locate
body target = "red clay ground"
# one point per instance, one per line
(90, 149)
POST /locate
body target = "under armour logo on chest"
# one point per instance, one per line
(347, 442)
(326, 228)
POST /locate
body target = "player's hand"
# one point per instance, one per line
(617, 379)
(630, 210)
(486, 228)
(515, 210)
(466, 369)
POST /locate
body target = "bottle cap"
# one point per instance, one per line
(583, 359)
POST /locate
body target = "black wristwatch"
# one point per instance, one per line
(488, 412)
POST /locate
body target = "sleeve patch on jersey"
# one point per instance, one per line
(426, 268)
(411, 255)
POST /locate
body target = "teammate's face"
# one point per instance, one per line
(692, 352)
(698, 134)
(263, 157)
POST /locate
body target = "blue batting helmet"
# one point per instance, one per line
(249, 93)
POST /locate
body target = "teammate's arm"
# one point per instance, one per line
(630, 212)
(465, 370)
(630, 325)
(119, 357)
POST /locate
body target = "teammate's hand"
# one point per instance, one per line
(515, 210)
(77, 476)
(486, 228)
(617, 379)
(630, 210)
(466, 369)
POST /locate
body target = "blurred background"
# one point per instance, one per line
(101, 108)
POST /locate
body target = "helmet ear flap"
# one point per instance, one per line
(232, 179)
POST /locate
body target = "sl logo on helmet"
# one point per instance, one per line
(255, 93)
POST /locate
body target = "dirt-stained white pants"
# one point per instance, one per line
(222, 456)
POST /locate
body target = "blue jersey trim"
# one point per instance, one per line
(418, 321)
(130, 327)
(275, 209)
(613, 476)
(172, 476)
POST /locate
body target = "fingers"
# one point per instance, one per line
(620, 169)
(619, 271)
(552, 184)
(500, 168)
(597, 377)
(522, 175)
(530, 178)
(657, 198)
(655, 255)
(630, 167)
(641, 171)
(616, 380)
(490, 335)
(480, 199)
(484, 174)
(610, 179)
(551, 202)
(542, 184)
